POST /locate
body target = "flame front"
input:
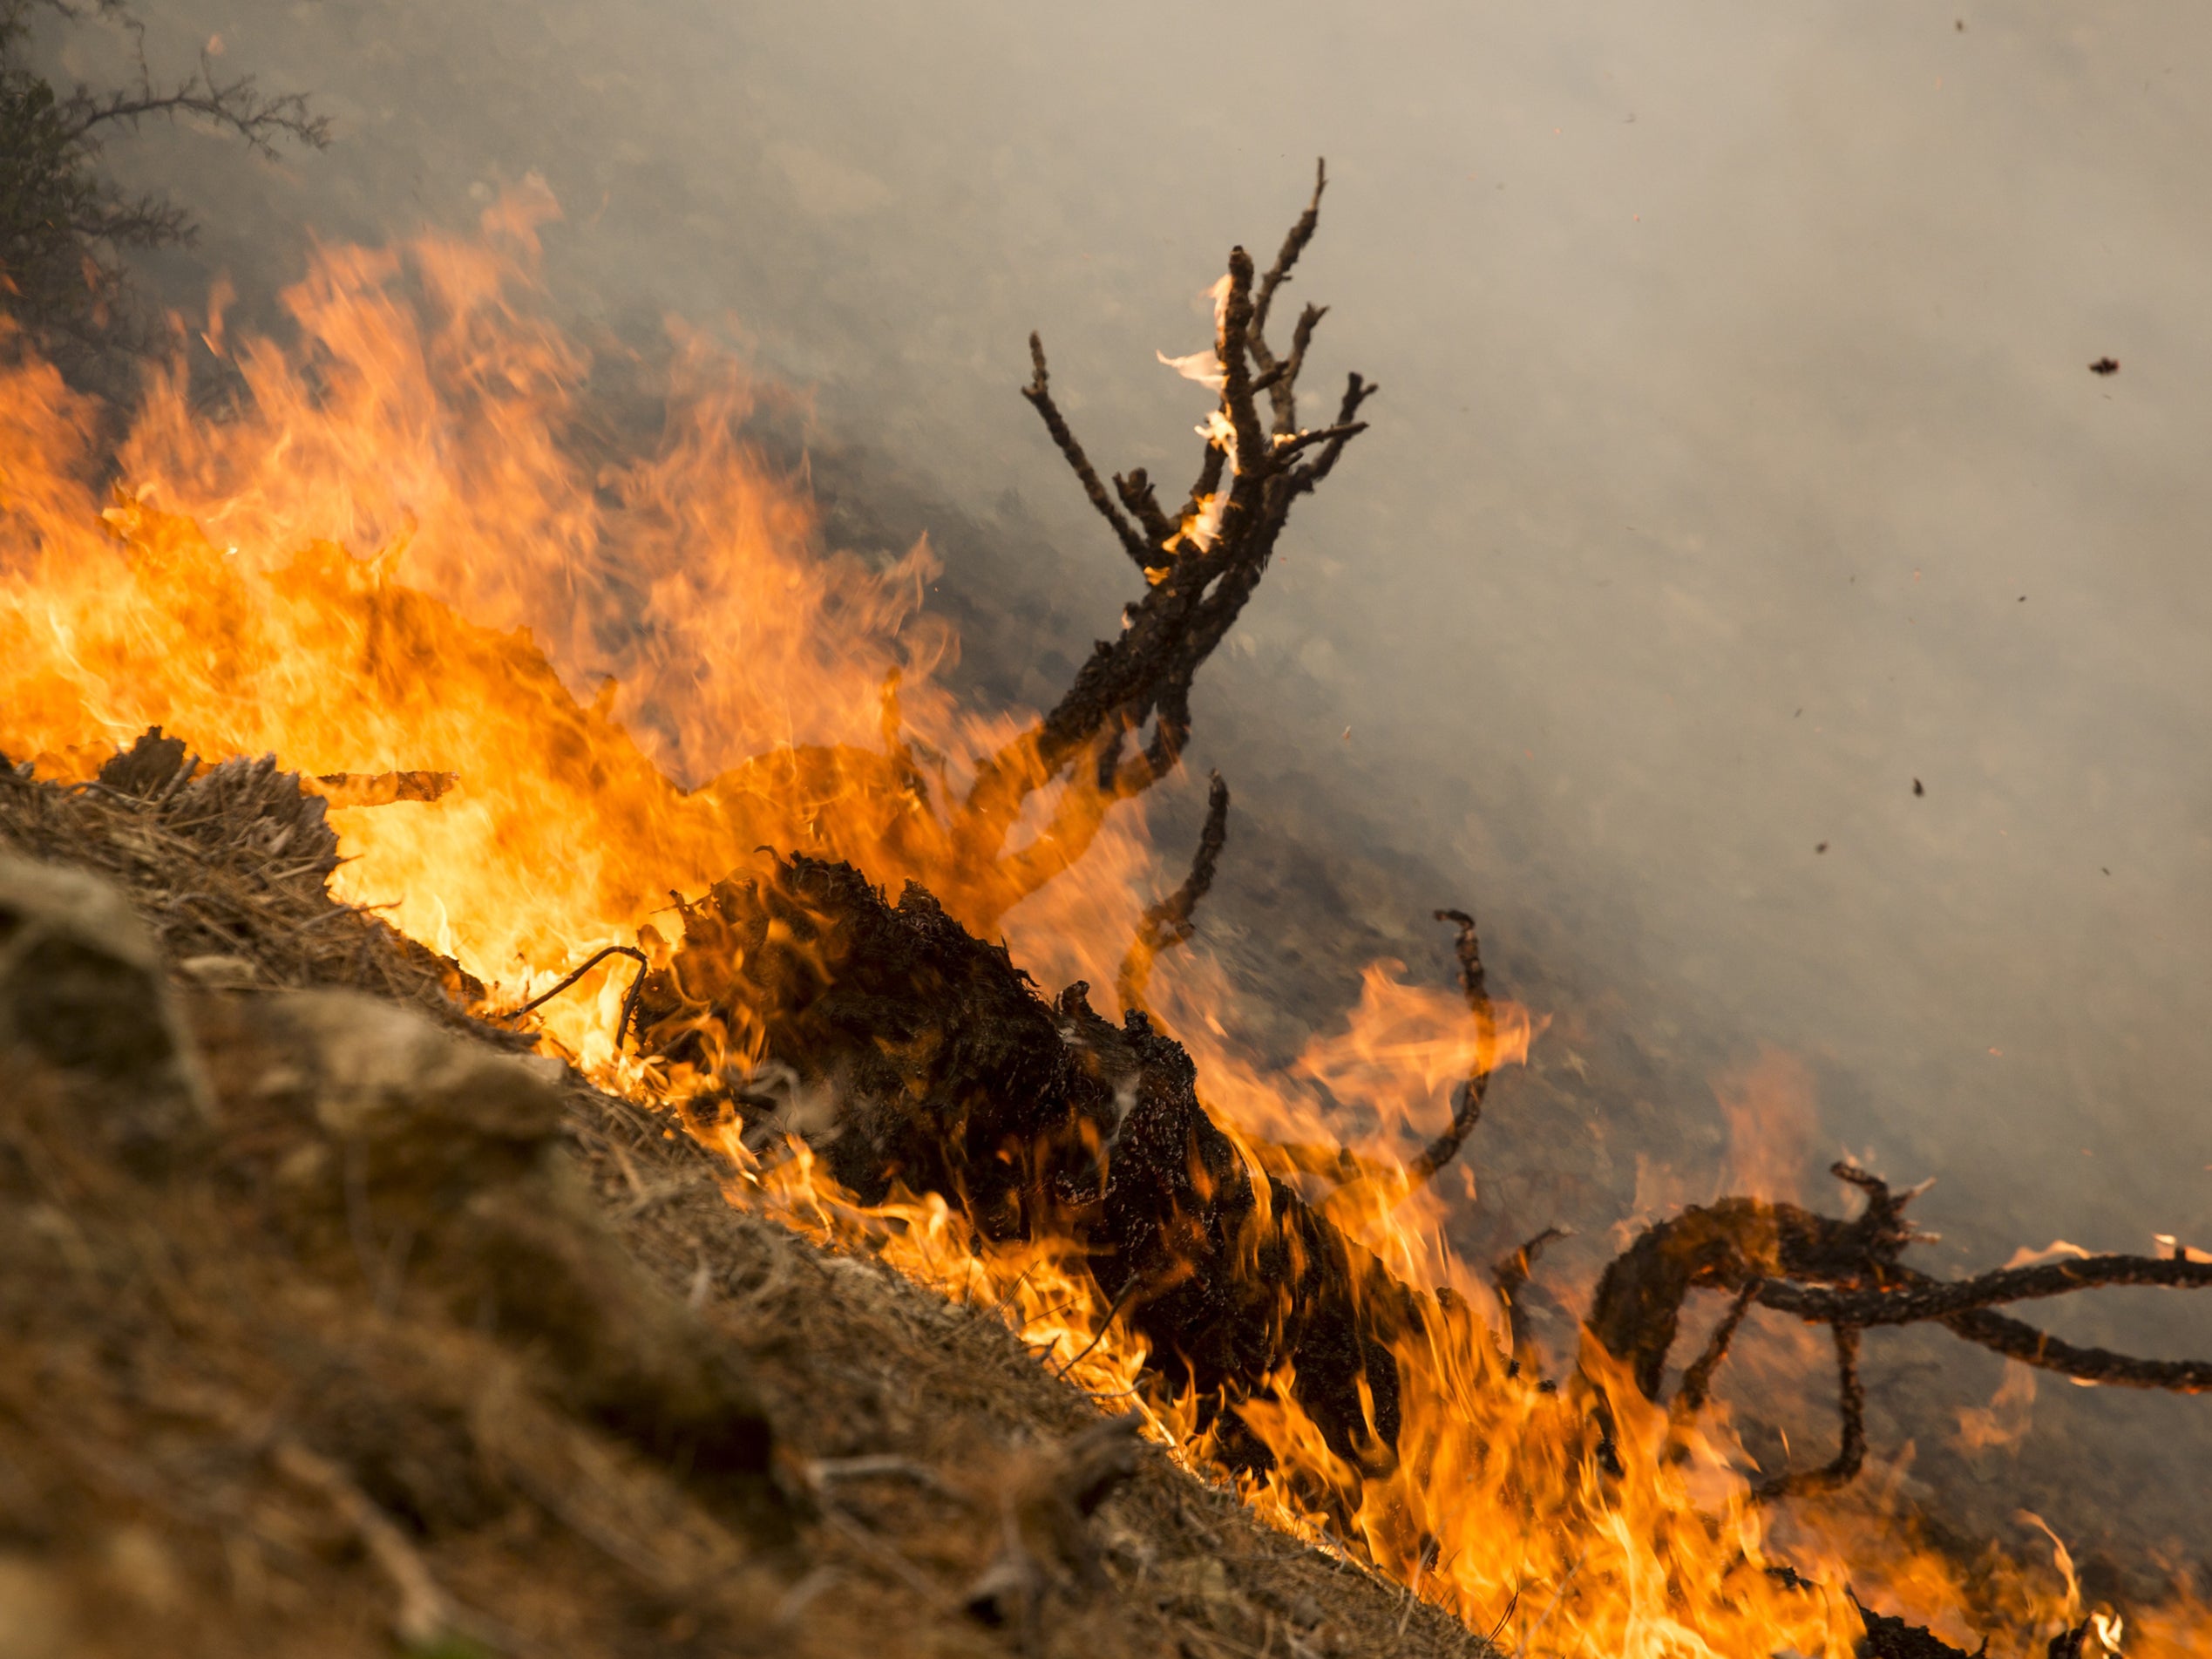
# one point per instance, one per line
(403, 550)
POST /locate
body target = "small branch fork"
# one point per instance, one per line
(1202, 565)
(1849, 1276)
(69, 222)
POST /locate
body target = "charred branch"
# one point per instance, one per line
(1918, 1300)
(1122, 725)
(1135, 487)
(1850, 1407)
(1697, 1382)
(1467, 1104)
(1280, 379)
(1169, 923)
(1849, 1276)
(1039, 392)
(629, 1000)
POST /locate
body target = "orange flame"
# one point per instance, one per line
(406, 550)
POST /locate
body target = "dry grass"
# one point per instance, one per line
(471, 1366)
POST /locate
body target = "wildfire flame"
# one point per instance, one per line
(397, 554)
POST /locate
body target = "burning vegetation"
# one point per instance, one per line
(391, 565)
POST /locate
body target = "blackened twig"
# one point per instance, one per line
(1169, 922)
(1294, 243)
(1466, 1105)
(1921, 1299)
(1697, 1382)
(1850, 1405)
(629, 1002)
(1138, 496)
(1296, 441)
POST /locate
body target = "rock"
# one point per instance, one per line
(221, 972)
(375, 1071)
(82, 992)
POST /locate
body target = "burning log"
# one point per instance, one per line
(915, 1056)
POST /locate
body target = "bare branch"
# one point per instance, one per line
(1294, 245)
(1201, 568)
(1038, 393)
(64, 224)
(237, 107)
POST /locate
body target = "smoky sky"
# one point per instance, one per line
(1739, 488)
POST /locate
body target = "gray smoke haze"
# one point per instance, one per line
(1738, 464)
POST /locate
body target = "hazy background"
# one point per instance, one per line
(1737, 463)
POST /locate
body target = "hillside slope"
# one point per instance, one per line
(338, 1321)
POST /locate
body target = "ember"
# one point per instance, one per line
(386, 566)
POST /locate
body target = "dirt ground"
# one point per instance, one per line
(338, 1322)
